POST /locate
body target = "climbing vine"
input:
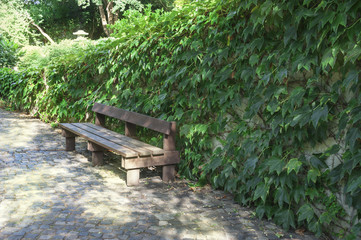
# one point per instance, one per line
(266, 95)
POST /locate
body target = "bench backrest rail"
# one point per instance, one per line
(133, 119)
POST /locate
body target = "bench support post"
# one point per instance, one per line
(97, 158)
(100, 119)
(168, 173)
(132, 177)
(69, 140)
(97, 153)
(169, 145)
(130, 130)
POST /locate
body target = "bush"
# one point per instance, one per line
(266, 96)
(9, 53)
(37, 57)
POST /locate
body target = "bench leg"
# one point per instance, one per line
(168, 173)
(97, 158)
(69, 140)
(133, 177)
(69, 143)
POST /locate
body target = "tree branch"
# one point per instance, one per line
(43, 33)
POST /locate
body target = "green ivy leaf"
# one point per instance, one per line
(261, 192)
(319, 113)
(260, 211)
(317, 163)
(351, 78)
(352, 135)
(275, 164)
(354, 185)
(250, 165)
(298, 193)
(305, 213)
(293, 165)
(215, 163)
(282, 196)
(313, 174)
(353, 54)
(341, 19)
(329, 58)
(291, 33)
(285, 218)
(253, 60)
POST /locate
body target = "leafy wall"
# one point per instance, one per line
(266, 95)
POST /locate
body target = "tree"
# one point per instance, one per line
(111, 10)
(61, 18)
(15, 23)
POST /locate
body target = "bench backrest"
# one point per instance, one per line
(134, 118)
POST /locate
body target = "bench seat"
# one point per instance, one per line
(118, 143)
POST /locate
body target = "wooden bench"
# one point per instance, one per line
(134, 154)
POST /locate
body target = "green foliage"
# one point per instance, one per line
(8, 53)
(267, 82)
(44, 57)
(15, 23)
(60, 19)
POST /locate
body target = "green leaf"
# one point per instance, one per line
(260, 211)
(316, 227)
(352, 135)
(312, 175)
(312, 193)
(291, 33)
(285, 218)
(353, 54)
(215, 163)
(319, 113)
(355, 184)
(275, 164)
(351, 78)
(341, 19)
(261, 192)
(325, 217)
(305, 213)
(296, 96)
(231, 15)
(293, 165)
(250, 164)
(282, 196)
(317, 163)
(329, 58)
(253, 60)
(298, 193)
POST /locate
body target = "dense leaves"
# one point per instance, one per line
(9, 53)
(266, 95)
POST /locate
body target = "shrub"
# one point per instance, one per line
(266, 96)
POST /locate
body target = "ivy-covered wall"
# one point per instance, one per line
(266, 95)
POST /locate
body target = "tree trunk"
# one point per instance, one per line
(109, 12)
(104, 20)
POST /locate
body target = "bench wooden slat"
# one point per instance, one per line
(112, 138)
(166, 159)
(132, 117)
(133, 143)
(125, 152)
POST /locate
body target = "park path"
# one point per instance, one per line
(48, 193)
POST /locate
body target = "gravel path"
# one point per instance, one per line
(48, 193)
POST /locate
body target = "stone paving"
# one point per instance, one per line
(48, 193)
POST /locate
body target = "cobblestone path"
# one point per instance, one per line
(47, 193)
